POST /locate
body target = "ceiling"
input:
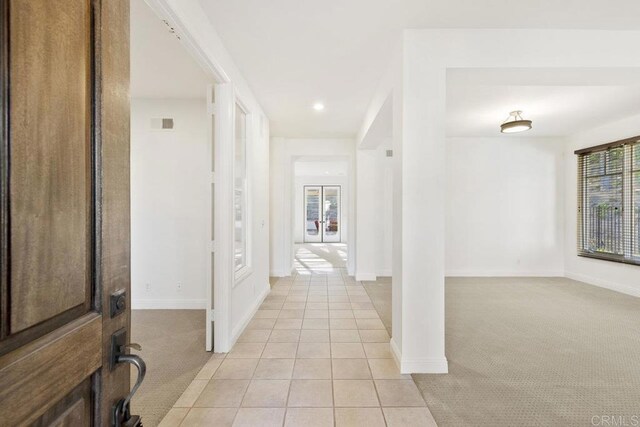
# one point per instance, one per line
(294, 53)
(160, 65)
(559, 102)
(330, 167)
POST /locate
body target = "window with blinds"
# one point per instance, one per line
(609, 201)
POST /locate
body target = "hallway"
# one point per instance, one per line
(315, 354)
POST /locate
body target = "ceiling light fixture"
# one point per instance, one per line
(515, 123)
(318, 106)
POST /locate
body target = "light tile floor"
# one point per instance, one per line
(315, 354)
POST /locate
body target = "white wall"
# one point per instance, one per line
(374, 212)
(423, 210)
(299, 183)
(169, 172)
(284, 152)
(248, 293)
(384, 211)
(366, 232)
(619, 277)
(505, 207)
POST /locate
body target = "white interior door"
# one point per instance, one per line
(211, 213)
(312, 214)
(331, 213)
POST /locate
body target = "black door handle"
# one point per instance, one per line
(122, 410)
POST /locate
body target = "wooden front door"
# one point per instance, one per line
(64, 209)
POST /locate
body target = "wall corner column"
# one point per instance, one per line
(423, 154)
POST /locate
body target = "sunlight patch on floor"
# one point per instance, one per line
(318, 258)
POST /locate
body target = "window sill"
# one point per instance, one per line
(618, 260)
(242, 274)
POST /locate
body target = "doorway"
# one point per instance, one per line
(322, 213)
(171, 198)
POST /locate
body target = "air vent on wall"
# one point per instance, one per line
(389, 153)
(162, 123)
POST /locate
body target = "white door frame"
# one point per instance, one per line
(288, 230)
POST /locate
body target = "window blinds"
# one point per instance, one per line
(609, 201)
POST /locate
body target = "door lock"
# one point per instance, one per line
(118, 302)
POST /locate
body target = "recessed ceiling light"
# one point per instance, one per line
(515, 123)
(318, 106)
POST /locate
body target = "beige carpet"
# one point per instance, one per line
(536, 352)
(380, 294)
(173, 349)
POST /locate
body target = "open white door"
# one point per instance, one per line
(221, 105)
(211, 114)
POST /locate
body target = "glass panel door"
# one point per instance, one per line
(331, 210)
(312, 214)
(322, 214)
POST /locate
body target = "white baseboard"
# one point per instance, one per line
(395, 351)
(425, 366)
(384, 273)
(365, 276)
(418, 366)
(168, 304)
(603, 283)
(503, 273)
(607, 284)
(240, 327)
(278, 274)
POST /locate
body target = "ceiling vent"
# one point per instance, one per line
(162, 123)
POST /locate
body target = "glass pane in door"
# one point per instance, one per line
(312, 214)
(331, 211)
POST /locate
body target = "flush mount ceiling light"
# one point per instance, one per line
(318, 106)
(515, 123)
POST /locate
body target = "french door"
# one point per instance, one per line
(322, 213)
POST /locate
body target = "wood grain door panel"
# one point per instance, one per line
(50, 152)
(40, 374)
(75, 409)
